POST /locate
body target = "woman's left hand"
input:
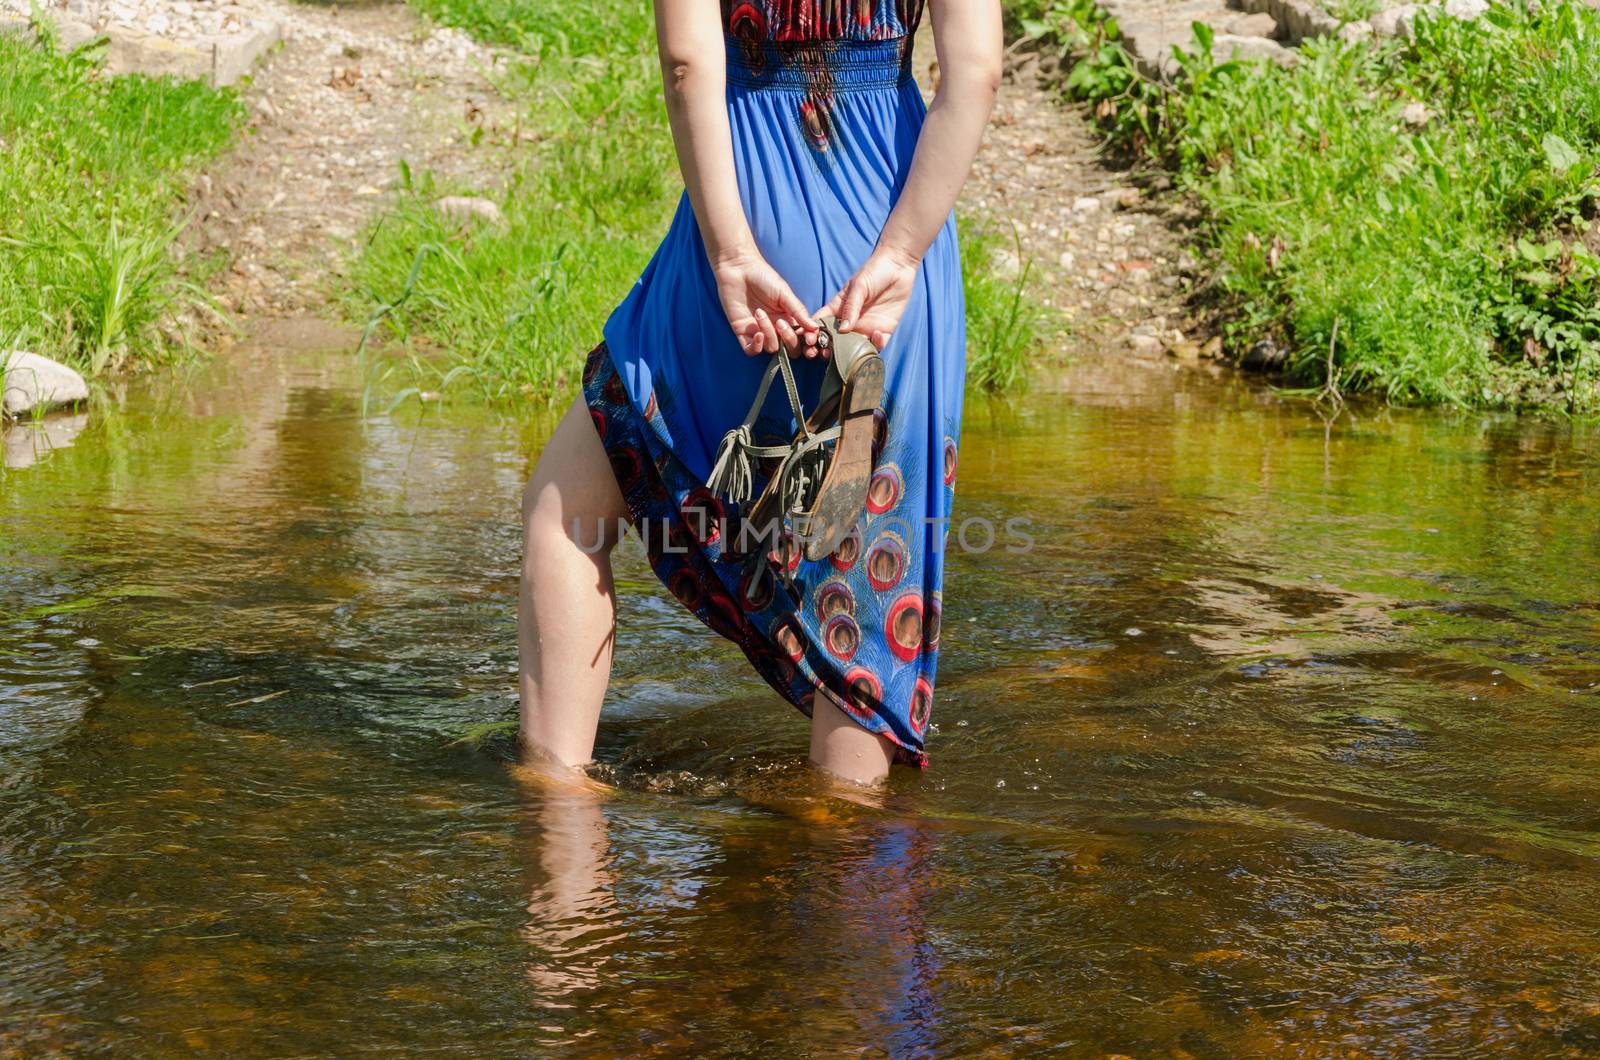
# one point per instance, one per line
(872, 301)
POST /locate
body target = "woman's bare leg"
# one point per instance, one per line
(845, 749)
(566, 610)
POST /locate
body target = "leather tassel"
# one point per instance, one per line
(733, 473)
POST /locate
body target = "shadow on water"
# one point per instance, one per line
(1281, 738)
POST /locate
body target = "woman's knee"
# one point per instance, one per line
(552, 525)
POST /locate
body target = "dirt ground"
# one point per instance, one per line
(356, 89)
(352, 92)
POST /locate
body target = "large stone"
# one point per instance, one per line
(221, 60)
(37, 384)
(469, 208)
(1229, 46)
(1394, 21)
(1259, 24)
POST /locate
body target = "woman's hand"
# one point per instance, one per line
(762, 311)
(872, 301)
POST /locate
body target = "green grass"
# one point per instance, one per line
(511, 310)
(1451, 260)
(92, 175)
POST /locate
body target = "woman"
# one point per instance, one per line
(814, 177)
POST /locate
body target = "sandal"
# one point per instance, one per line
(819, 488)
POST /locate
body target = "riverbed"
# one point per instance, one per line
(1279, 736)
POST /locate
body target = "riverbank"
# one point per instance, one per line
(508, 289)
(1413, 217)
(93, 175)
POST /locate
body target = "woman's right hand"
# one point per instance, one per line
(762, 311)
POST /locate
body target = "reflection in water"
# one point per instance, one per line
(1281, 740)
(29, 441)
(572, 914)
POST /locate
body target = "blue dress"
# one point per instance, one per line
(825, 115)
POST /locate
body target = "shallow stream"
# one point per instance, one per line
(1282, 738)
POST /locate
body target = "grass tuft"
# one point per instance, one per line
(1425, 208)
(92, 173)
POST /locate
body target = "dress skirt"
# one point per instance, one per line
(818, 175)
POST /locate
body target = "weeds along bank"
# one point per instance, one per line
(93, 171)
(510, 305)
(1425, 209)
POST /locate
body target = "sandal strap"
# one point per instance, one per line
(733, 470)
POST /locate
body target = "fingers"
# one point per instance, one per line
(797, 312)
(880, 339)
(786, 335)
(849, 299)
(769, 331)
(748, 332)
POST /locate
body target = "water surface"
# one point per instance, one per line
(1281, 739)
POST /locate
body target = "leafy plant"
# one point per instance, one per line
(92, 178)
(1448, 249)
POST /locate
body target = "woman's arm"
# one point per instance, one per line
(968, 40)
(761, 308)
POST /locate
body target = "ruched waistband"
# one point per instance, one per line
(842, 66)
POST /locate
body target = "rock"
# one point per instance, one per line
(1185, 352)
(1394, 21)
(1355, 31)
(1415, 115)
(37, 384)
(1066, 260)
(469, 208)
(1129, 198)
(1145, 345)
(1226, 46)
(1005, 263)
(1085, 204)
(1264, 356)
(1465, 10)
(1260, 24)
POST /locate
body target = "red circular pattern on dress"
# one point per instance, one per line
(686, 587)
(702, 513)
(598, 418)
(786, 634)
(865, 691)
(787, 553)
(849, 550)
(650, 408)
(921, 705)
(591, 367)
(880, 432)
(886, 562)
(835, 598)
(614, 391)
(679, 543)
(723, 616)
(756, 587)
(931, 618)
(842, 636)
(625, 466)
(903, 628)
(949, 461)
(883, 491)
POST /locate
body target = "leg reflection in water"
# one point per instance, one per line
(573, 920)
(694, 924)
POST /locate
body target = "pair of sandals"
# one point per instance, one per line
(819, 488)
